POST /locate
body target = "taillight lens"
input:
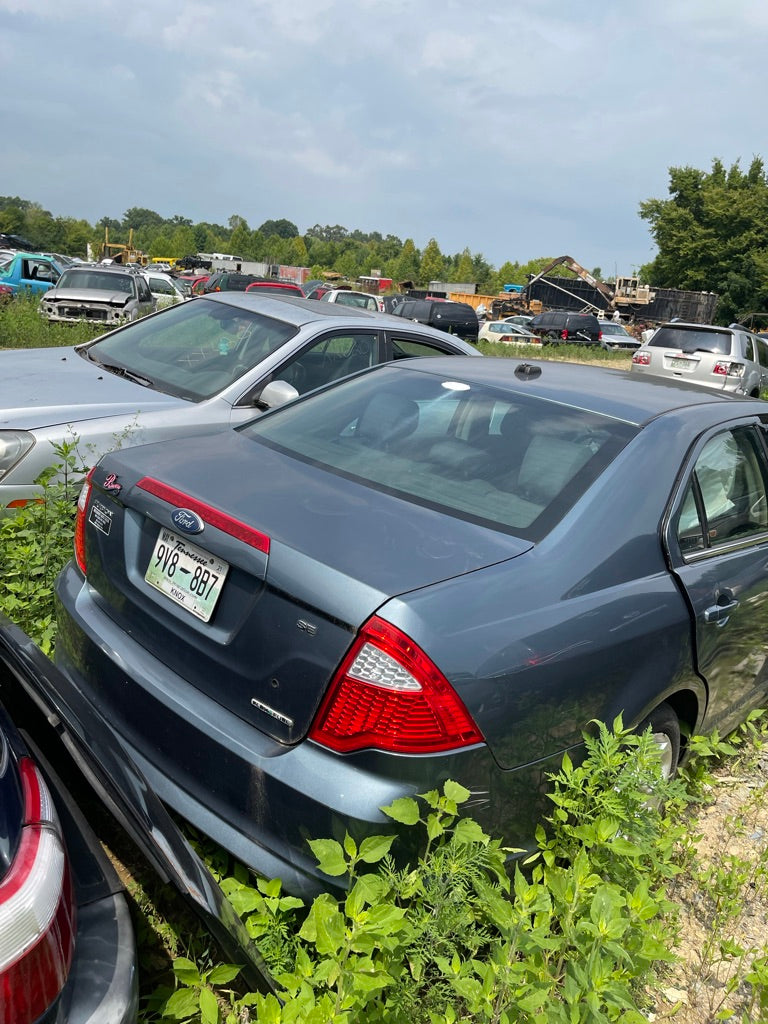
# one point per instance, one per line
(388, 695)
(727, 369)
(564, 334)
(642, 358)
(82, 505)
(599, 335)
(37, 910)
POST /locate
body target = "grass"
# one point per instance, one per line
(21, 326)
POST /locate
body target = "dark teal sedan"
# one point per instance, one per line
(438, 568)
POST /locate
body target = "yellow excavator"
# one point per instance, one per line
(119, 253)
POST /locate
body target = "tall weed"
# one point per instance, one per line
(36, 543)
(21, 326)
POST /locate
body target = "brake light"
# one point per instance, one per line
(564, 334)
(82, 505)
(213, 516)
(599, 335)
(388, 695)
(641, 358)
(725, 369)
(37, 910)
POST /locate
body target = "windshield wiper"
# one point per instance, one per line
(121, 371)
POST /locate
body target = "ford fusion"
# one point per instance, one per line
(439, 568)
(186, 370)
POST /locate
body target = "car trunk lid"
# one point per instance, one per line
(305, 557)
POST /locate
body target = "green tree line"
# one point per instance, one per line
(711, 233)
(321, 247)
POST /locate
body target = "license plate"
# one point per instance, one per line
(186, 574)
(681, 364)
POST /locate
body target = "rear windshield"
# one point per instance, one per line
(692, 339)
(514, 463)
(453, 311)
(238, 282)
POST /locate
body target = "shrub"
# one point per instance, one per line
(35, 544)
(570, 937)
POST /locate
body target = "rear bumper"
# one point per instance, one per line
(260, 799)
(58, 718)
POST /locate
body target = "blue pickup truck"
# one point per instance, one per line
(29, 272)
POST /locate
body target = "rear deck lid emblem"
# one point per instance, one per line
(187, 521)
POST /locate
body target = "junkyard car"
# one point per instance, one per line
(508, 333)
(31, 272)
(165, 289)
(67, 950)
(211, 362)
(727, 358)
(348, 297)
(616, 336)
(439, 568)
(105, 295)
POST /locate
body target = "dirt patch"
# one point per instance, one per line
(723, 924)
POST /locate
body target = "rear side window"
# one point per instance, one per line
(692, 339)
(726, 498)
(404, 348)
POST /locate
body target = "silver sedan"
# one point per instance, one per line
(198, 366)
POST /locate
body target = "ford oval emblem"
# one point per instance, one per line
(187, 521)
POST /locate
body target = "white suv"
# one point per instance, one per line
(726, 358)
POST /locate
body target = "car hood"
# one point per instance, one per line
(87, 295)
(48, 386)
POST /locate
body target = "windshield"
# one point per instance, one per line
(692, 339)
(96, 280)
(192, 350)
(506, 461)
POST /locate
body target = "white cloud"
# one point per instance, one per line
(515, 129)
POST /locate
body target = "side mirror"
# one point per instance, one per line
(277, 392)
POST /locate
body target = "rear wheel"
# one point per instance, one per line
(665, 730)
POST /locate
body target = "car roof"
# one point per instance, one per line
(108, 268)
(298, 311)
(619, 394)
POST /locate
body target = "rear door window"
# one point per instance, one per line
(726, 498)
(333, 356)
(404, 348)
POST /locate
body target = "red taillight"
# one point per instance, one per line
(726, 369)
(599, 335)
(564, 335)
(388, 695)
(37, 910)
(82, 505)
(641, 358)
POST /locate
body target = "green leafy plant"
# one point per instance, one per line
(36, 543)
(454, 936)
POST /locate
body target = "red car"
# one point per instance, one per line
(279, 287)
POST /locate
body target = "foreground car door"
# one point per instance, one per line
(718, 537)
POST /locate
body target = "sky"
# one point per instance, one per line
(517, 130)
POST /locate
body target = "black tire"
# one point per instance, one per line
(665, 726)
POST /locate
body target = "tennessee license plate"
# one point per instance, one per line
(188, 575)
